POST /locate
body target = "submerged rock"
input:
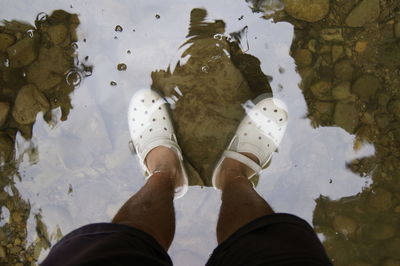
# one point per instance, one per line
(394, 108)
(324, 111)
(344, 225)
(308, 10)
(366, 87)
(40, 73)
(28, 103)
(57, 33)
(382, 120)
(337, 52)
(389, 53)
(6, 40)
(346, 116)
(6, 148)
(4, 108)
(322, 90)
(366, 11)
(344, 70)
(381, 231)
(342, 92)
(209, 90)
(380, 200)
(332, 34)
(23, 52)
(303, 57)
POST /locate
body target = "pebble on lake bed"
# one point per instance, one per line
(122, 67)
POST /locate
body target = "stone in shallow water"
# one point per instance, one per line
(332, 34)
(59, 60)
(380, 200)
(6, 41)
(28, 103)
(40, 73)
(6, 148)
(303, 57)
(308, 10)
(366, 87)
(337, 52)
(389, 53)
(391, 262)
(365, 12)
(344, 70)
(346, 116)
(322, 90)
(381, 231)
(344, 225)
(57, 33)
(342, 91)
(4, 108)
(382, 120)
(324, 111)
(23, 52)
(394, 108)
(397, 30)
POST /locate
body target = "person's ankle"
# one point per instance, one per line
(163, 160)
(233, 171)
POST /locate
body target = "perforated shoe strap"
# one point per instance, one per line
(243, 159)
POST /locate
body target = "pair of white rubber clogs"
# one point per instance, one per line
(259, 133)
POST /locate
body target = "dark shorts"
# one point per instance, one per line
(277, 239)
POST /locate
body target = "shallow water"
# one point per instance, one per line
(336, 167)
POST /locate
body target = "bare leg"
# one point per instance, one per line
(241, 204)
(151, 209)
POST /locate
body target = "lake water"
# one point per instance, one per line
(337, 166)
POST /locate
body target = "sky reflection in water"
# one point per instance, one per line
(89, 152)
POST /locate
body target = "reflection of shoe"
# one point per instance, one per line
(150, 126)
(259, 133)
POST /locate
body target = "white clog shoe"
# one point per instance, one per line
(259, 133)
(150, 126)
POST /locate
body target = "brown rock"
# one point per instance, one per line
(391, 262)
(40, 73)
(381, 231)
(337, 52)
(58, 60)
(28, 103)
(6, 148)
(4, 108)
(322, 90)
(366, 87)
(342, 92)
(2, 252)
(23, 52)
(380, 199)
(324, 111)
(344, 225)
(6, 41)
(366, 11)
(303, 57)
(394, 108)
(382, 120)
(308, 10)
(57, 33)
(344, 70)
(332, 34)
(361, 46)
(346, 116)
